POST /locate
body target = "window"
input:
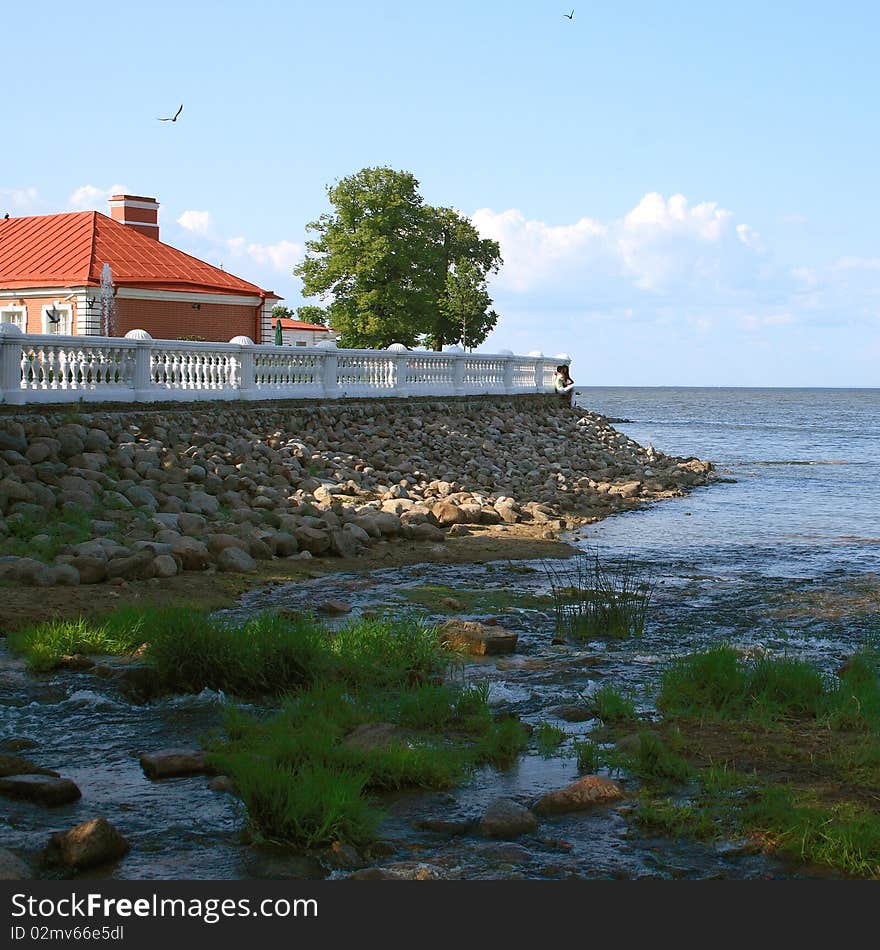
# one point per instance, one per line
(301, 343)
(58, 318)
(16, 315)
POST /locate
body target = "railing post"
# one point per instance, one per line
(10, 365)
(508, 370)
(458, 356)
(330, 370)
(399, 356)
(244, 377)
(141, 378)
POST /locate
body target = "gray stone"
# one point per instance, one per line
(235, 560)
(505, 818)
(87, 845)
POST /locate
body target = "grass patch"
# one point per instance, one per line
(719, 682)
(549, 738)
(612, 706)
(592, 600)
(46, 643)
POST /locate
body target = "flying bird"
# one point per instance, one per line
(569, 16)
(173, 118)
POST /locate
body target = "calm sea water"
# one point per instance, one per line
(806, 464)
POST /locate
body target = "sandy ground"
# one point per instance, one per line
(23, 606)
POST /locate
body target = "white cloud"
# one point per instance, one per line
(199, 222)
(18, 200)
(662, 246)
(92, 198)
(278, 257)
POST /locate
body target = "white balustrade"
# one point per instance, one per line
(50, 368)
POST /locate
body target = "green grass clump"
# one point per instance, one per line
(654, 760)
(549, 738)
(719, 682)
(844, 835)
(590, 756)
(592, 600)
(266, 655)
(46, 643)
(612, 706)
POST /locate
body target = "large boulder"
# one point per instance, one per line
(87, 845)
(585, 793)
(192, 555)
(314, 540)
(478, 639)
(236, 561)
(18, 765)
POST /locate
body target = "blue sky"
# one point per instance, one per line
(684, 193)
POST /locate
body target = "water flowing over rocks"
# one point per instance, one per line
(505, 818)
(109, 496)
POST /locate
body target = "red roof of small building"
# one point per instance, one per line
(71, 250)
(288, 324)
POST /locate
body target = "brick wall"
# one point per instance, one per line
(172, 319)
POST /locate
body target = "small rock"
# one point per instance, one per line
(572, 713)
(374, 735)
(40, 789)
(334, 608)
(478, 639)
(174, 763)
(505, 818)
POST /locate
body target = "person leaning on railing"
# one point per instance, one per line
(563, 383)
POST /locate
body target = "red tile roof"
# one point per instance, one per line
(71, 249)
(288, 324)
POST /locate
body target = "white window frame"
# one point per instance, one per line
(21, 316)
(66, 324)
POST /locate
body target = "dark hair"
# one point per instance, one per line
(562, 368)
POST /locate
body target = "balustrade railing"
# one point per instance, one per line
(51, 368)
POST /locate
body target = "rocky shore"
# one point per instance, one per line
(108, 496)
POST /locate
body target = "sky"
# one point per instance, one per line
(684, 193)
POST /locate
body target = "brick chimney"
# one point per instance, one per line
(136, 212)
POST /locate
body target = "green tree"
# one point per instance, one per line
(371, 260)
(395, 270)
(462, 263)
(465, 310)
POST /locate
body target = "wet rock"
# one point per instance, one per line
(223, 783)
(572, 713)
(448, 826)
(87, 845)
(17, 744)
(334, 608)
(585, 793)
(40, 789)
(139, 683)
(13, 868)
(505, 854)
(268, 862)
(476, 638)
(175, 763)
(17, 765)
(505, 818)
(76, 662)
(342, 857)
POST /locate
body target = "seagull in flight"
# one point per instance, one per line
(569, 16)
(174, 117)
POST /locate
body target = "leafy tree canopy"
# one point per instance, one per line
(395, 270)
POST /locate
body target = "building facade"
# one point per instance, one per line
(52, 266)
